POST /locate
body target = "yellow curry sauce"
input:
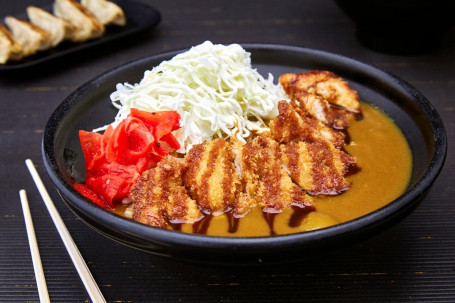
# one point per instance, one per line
(385, 159)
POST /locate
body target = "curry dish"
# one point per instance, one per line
(327, 159)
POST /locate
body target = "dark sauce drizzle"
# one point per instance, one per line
(270, 219)
(233, 222)
(201, 227)
(358, 115)
(299, 215)
(176, 226)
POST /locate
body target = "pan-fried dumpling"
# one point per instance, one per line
(107, 12)
(58, 28)
(30, 37)
(86, 25)
(10, 49)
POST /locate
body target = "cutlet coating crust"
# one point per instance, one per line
(318, 167)
(160, 197)
(266, 181)
(290, 126)
(211, 178)
(322, 83)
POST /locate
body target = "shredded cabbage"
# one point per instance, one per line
(214, 89)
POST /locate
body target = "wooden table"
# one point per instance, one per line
(414, 261)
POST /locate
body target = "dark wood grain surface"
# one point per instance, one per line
(413, 261)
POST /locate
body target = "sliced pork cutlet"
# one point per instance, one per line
(159, 197)
(318, 108)
(318, 167)
(211, 177)
(266, 183)
(324, 84)
(290, 126)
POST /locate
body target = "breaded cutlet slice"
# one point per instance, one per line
(326, 84)
(159, 197)
(290, 126)
(318, 108)
(211, 178)
(266, 183)
(318, 167)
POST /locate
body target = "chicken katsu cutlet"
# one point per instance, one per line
(324, 84)
(291, 126)
(211, 178)
(159, 197)
(206, 182)
(266, 183)
(318, 167)
(303, 155)
(320, 109)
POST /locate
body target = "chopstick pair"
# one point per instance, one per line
(78, 261)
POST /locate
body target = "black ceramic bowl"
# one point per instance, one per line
(89, 107)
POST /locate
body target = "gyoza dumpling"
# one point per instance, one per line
(10, 49)
(86, 25)
(31, 38)
(58, 28)
(107, 12)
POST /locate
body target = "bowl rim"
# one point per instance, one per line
(168, 237)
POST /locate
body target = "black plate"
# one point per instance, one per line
(139, 17)
(89, 107)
